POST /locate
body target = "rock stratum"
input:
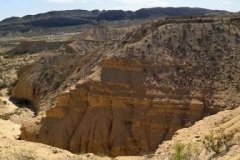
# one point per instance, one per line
(116, 116)
(128, 96)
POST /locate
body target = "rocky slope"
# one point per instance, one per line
(222, 123)
(134, 94)
(90, 40)
(66, 21)
(38, 46)
(11, 148)
(193, 138)
(60, 69)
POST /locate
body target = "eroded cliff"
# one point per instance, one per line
(117, 115)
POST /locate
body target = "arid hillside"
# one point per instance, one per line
(58, 70)
(214, 137)
(90, 40)
(124, 92)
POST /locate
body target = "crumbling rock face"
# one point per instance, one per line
(27, 89)
(115, 116)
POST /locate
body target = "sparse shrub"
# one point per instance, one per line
(189, 26)
(144, 31)
(212, 57)
(9, 90)
(184, 34)
(3, 85)
(213, 25)
(199, 41)
(57, 81)
(149, 45)
(230, 77)
(220, 29)
(193, 151)
(82, 152)
(25, 155)
(189, 151)
(47, 72)
(124, 43)
(4, 102)
(179, 153)
(101, 154)
(238, 86)
(219, 141)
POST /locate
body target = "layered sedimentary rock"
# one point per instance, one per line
(117, 115)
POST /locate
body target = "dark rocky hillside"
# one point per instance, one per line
(48, 22)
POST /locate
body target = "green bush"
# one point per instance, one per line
(57, 81)
(186, 152)
(179, 153)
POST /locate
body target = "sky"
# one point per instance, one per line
(19, 8)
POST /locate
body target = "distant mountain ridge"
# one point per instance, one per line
(82, 17)
(114, 14)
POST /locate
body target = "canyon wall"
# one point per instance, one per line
(116, 115)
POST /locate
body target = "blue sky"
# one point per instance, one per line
(9, 8)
